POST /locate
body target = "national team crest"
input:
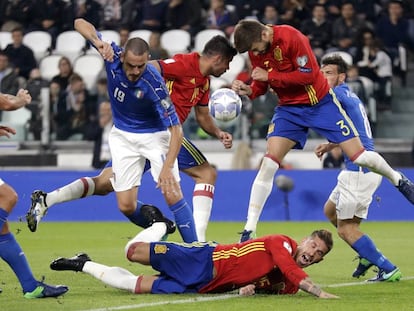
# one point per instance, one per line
(277, 54)
(160, 248)
(302, 60)
(139, 93)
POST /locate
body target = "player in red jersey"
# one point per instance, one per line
(283, 60)
(271, 264)
(187, 77)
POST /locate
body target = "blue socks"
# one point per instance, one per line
(3, 217)
(136, 217)
(365, 247)
(11, 252)
(184, 220)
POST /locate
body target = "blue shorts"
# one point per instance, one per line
(327, 118)
(183, 267)
(188, 157)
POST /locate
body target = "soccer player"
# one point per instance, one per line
(10, 250)
(283, 60)
(272, 264)
(349, 201)
(187, 79)
(146, 127)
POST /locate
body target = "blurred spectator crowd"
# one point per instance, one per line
(374, 36)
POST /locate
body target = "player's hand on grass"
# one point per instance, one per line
(247, 290)
(326, 295)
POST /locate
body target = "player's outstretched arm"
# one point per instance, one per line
(88, 31)
(11, 102)
(205, 120)
(308, 286)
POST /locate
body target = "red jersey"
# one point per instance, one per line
(266, 262)
(187, 86)
(294, 73)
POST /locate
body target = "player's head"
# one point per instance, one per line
(134, 58)
(334, 69)
(219, 50)
(313, 248)
(251, 35)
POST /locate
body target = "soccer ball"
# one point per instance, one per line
(225, 105)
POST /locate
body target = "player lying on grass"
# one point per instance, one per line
(271, 264)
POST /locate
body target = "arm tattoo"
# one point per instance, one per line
(309, 287)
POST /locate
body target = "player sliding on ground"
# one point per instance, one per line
(210, 267)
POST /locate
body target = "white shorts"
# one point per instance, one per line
(353, 193)
(1, 182)
(129, 152)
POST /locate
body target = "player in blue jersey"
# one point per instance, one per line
(146, 127)
(10, 250)
(349, 201)
(177, 71)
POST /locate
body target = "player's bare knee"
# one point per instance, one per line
(130, 250)
(8, 197)
(102, 186)
(203, 174)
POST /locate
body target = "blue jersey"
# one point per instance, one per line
(356, 111)
(143, 106)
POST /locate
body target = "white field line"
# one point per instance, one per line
(221, 297)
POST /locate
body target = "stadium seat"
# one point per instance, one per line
(141, 33)
(345, 56)
(203, 36)
(49, 66)
(111, 36)
(70, 43)
(88, 67)
(17, 120)
(176, 41)
(236, 66)
(40, 42)
(5, 39)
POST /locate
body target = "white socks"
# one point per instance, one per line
(202, 204)
(150, 234)
(80, 188)
(376, 163)
(113, 276)
(261, 189)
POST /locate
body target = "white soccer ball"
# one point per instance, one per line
(225, 105)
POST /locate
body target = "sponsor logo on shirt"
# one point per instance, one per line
(288, 247)
(166, 103)
(302, 60)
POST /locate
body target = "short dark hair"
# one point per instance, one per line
(324, 235)
(219, 45)
(137, 46)
(337, 60)
(247, 32)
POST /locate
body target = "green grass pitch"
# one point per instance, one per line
(105, 242)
